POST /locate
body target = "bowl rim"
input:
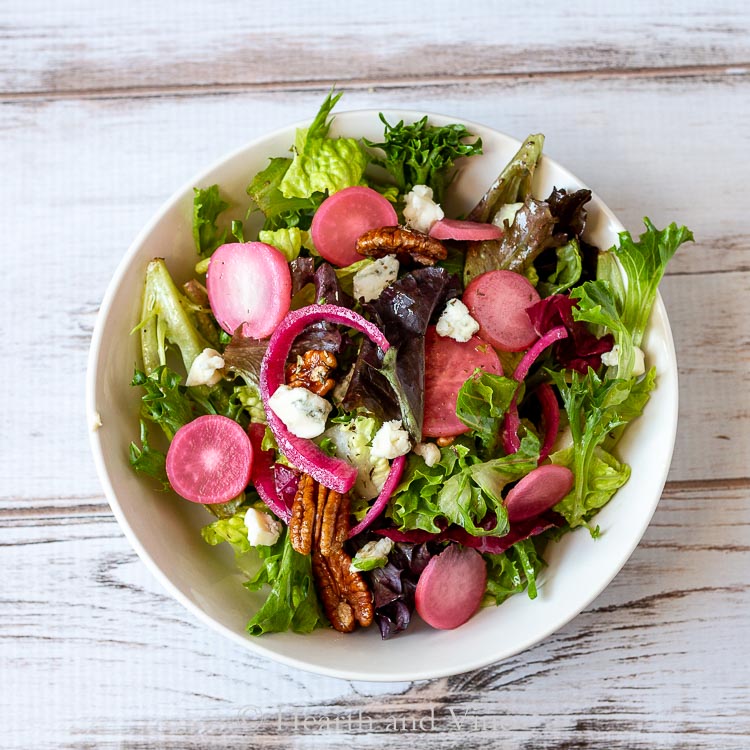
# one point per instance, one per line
(255, 645)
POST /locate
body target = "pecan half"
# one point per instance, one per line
(302, 521)
(319, 525)
(404, 243)
(338, 610)
(311, 371)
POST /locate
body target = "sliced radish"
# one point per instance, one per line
(344, 217)
(209, 460)
(538, 491)
(249, 285)
(448, 364)
(453, 229)
(451, 587)
(497, 300)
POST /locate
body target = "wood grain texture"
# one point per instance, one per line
(104, 112)
(125, 666)
(149, 46)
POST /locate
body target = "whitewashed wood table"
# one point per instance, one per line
(104, 112)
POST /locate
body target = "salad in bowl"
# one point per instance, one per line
(393, 403)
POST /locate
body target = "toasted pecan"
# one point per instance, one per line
(404, 243)
(312, 371)
(337, 608)
(319, 525)
(302, 521)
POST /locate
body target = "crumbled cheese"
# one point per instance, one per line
(429, 452)
(507, 213)
(370, 281)
(262, 529)
(96, 421)
(372, 555)
(456, 321)
(420, 211)
(612, 359)
(206, 368)
(390, 441)
(303, 412)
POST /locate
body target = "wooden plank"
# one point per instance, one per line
(113, 662)
(80, 47)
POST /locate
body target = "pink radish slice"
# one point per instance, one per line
(331, 472)
(262, 475)
(249, 285)
(453, 229)
(497, 300)
(344, 217)
(538, 491)
(451, 587)
(448, 364)
(550, 416)
(209, 460)
(390, 484)
(511, 443)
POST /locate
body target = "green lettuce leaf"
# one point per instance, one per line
(413, 504)
(163, 401)
(231, 530)
(167, 317)
(322, 164)
(280, 212)
(595, 408)
(512, 572)
(596, 305)
(291, 603)
(351, 442)
(207, 205)
(149, 461)
(467, 497)
(605, 476)
(482, 403)
(288, 240)
(567, 272)
(514, 182)
(643, 263)
(513, 185)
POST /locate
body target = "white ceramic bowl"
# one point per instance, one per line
(165, 530)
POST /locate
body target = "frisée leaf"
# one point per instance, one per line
(423, 154)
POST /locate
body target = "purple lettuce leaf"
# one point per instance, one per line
(404, 309)
(321, 335)
(581, 349)
(393, 586)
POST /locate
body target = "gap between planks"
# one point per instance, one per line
(15, 509)
(215, 89)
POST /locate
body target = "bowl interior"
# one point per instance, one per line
(165, 530)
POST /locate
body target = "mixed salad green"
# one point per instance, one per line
(461, 383)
